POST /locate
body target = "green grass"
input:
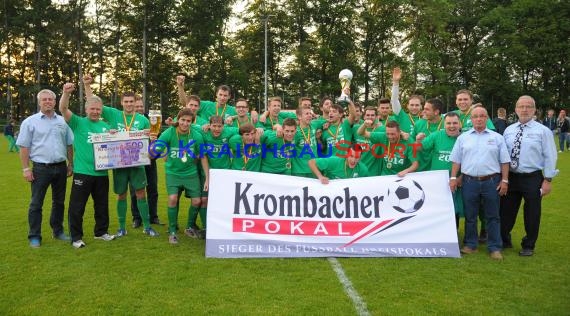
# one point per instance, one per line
(141, 275)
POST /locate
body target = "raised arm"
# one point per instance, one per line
(395, 101)
(362, 129)
(181, 92)
(68, 88)
(87, 81)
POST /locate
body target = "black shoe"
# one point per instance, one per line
(156, 221)
(136, 223)
(526, 252)
(483, 236)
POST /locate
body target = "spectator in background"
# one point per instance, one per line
(9, 134)
(500, 121)
(563, 127)
(550, 120)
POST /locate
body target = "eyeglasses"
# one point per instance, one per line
(528, 107)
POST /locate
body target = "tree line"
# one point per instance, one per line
(498, 49)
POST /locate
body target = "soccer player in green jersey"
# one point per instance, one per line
(439, 144)
(335, 167)
(272, 119)
(127, 120)
(339, 131)
(431, 123)
(464, 102)
(86, 180)
(407, 120)
(324, 105)
(305, 143)
(220, 107)
(399, 157)
(367, 156)
(279, 149)
(183, 142)
(242, 116)
(246, 150)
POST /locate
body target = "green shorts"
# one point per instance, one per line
(136, 176)
(189, 184)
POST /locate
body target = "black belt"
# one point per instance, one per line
(55, 164)
(481, 178)
(528, 174)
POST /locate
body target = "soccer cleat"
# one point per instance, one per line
(105, 237)
(192, 232)
(35, 243)
(202, 234)
(151, 232)
(121, 232)
(172, 239)
(78, 244)
(62, 236)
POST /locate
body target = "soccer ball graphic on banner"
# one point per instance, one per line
(406, 196)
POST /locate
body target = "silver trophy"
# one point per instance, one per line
(345, 76)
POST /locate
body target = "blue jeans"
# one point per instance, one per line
(563, 138)
(476, 192)
(44, 176)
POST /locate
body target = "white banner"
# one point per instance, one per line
(266, 215)
(120, 150)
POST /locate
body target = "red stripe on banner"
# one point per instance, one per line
(382, 223)
(298, 227)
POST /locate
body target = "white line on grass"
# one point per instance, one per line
(358, 302)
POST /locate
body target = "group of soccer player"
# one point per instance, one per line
(340, 143)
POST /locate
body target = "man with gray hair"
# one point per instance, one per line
(86, 180)
(46, 140)
(533, 165)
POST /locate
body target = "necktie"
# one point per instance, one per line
(516, 152)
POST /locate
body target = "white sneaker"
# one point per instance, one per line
(105, 237)
(560, 151)
(78, 244)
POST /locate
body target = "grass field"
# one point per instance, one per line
(146, 276)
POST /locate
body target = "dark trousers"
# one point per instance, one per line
(151, 193)
(45, 176)
(522, 186)
(98, 188)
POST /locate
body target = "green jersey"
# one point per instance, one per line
(269, 122)
(209, 109)
(278, 154)
(366, 156)
(406, 120)
(397, 157)
(84, 158)
(183, 151)
(439, 144)
(306, 149)
(338, 137)
(217, 149)
(251, 161)
(337, 168)
(120, 121)
(424, 126)
(465, 120)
